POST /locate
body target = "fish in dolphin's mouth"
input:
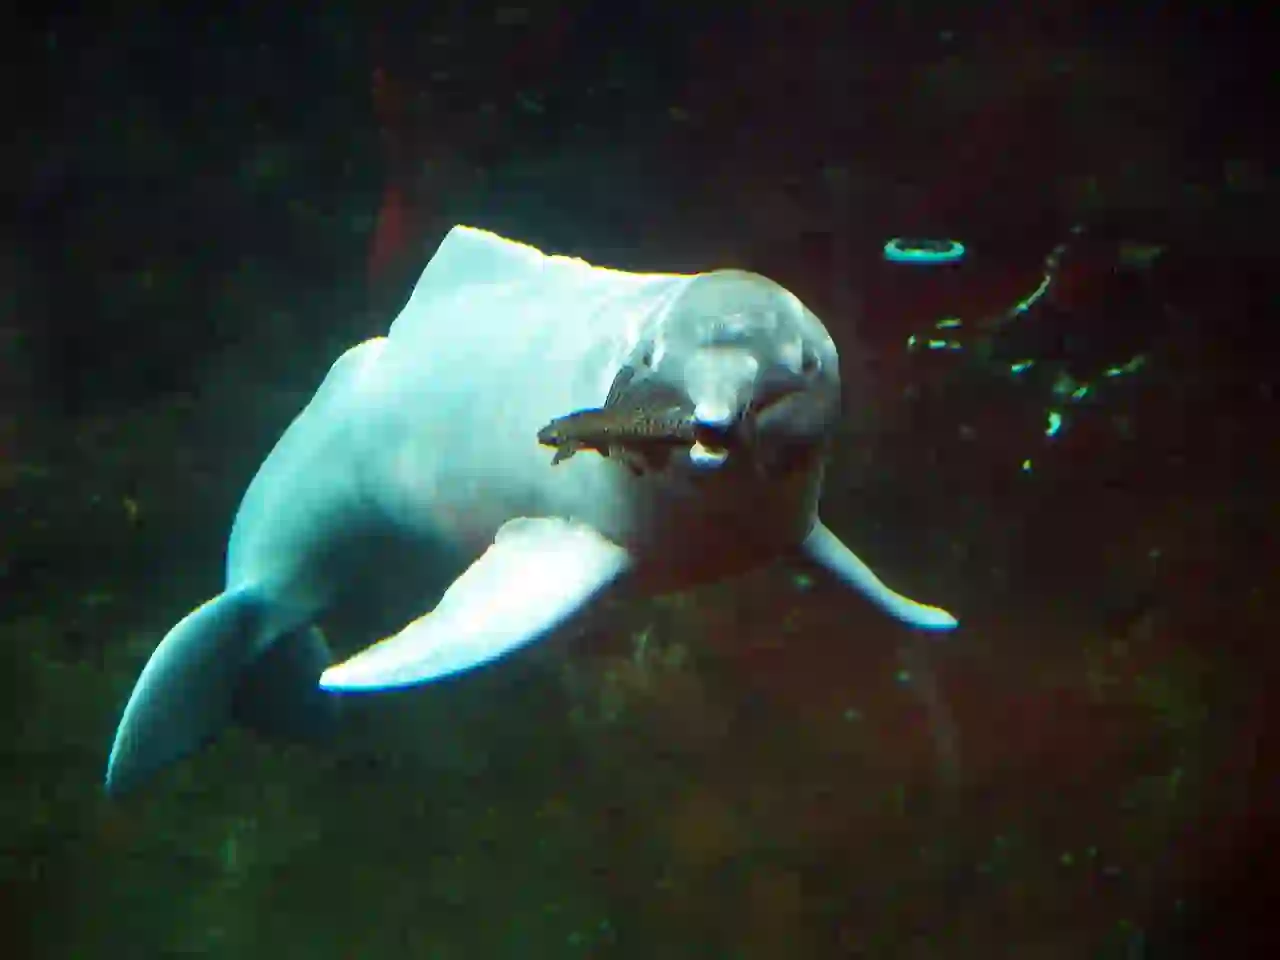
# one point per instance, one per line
(643, 436)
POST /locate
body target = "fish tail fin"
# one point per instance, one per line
(208, 670)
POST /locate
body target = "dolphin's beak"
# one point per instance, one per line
(739, 402)
(727, 384)
(721, 382)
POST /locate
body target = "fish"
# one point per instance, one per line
(642, 438)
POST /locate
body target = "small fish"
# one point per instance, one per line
(635, 435)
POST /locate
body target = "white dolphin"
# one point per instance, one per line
(431, 434)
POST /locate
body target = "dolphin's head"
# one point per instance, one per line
(757, 369)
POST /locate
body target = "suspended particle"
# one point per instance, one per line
(1126, 368)
(1064, 385)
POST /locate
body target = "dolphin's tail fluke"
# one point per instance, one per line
(207, 671)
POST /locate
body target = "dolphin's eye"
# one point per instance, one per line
(646, 358)
(809, 363)
(775, 385)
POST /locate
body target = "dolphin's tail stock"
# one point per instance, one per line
(208, 670)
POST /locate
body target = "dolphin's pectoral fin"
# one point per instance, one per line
(825, 549)
(185, 692)
(537, 573)
(277, 695)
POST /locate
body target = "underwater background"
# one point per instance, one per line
(1067, 437)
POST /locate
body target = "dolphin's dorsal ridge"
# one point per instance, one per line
(474, 270)
(467, 257)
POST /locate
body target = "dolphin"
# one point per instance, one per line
(430, 434)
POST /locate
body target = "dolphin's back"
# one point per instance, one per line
(434, 428)
(484, 271)
(496, 341)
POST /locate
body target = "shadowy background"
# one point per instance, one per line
(202, 211)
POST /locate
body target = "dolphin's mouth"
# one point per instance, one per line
(773, 427)
(711, 445)
(748, 431)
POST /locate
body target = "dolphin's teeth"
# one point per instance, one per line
(703, 456)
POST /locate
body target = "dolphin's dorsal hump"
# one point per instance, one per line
(477, 261)
(469, 257)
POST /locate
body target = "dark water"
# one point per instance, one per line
(763, 769)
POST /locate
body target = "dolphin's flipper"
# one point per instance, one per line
(203, 674)
(825, 549)
(537, 573)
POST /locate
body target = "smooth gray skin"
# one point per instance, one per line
(430, 434)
